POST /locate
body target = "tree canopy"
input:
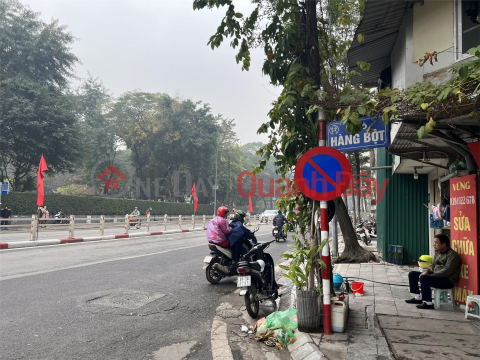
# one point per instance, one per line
(37, 113)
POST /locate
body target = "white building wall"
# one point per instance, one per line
(405, 68)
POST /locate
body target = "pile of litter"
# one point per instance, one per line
(277, 329)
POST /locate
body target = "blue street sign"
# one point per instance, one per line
(379, 136)
(5, 188)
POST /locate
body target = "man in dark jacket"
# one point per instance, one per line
(240, 235)
(442, 274)
(279, 220)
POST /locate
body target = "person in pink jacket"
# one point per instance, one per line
(218, 228)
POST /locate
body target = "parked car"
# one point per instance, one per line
(267, 214)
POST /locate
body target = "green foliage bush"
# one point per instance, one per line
(25, 204)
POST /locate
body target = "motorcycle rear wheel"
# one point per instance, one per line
(252, 305)
(213, 276)
(276, 238)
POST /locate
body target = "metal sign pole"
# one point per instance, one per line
(327, 319)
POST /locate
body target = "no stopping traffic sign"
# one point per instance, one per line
(323, 173)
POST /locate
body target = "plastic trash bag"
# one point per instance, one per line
(283, 337)
(262, 329)
(281, 320)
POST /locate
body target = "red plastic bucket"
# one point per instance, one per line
(357, 287)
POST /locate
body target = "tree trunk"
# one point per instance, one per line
(353, 252)
(312, 52)
(354, 219)
(372, 158)
(357, 167)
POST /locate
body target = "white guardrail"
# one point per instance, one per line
(73, 223)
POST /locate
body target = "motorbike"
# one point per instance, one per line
(362, 234)
(256, 279)
(222, 255)
(291, 225)
(279, 233)
(133, 221)
(61, 218)
(371, 227)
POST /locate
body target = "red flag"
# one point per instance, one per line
(195, 200)
(250, 206)
(41, 168)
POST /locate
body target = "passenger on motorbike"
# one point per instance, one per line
(217, 232)
(218, 228)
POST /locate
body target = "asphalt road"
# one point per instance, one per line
(112, 299)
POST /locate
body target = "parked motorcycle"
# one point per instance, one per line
(279, 233)
(371, 227)
(134, 221)
(61, 218)
(256, 279)
(362, 234)
(222, 255)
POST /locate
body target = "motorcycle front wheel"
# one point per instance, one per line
(251, 303)
(213, 276)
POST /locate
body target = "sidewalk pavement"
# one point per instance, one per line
(382, 326)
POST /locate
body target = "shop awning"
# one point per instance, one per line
(380, 25)
(434, 149)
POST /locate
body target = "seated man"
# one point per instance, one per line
(443, 273)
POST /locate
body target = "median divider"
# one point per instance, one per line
(35, 243)
(22, 244)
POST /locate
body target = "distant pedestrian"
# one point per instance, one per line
(5, 214)
(47, 215)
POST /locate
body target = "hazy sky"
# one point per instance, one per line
(161, 46)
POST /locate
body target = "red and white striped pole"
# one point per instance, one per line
(327, 317)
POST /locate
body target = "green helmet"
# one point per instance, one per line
(240, 215)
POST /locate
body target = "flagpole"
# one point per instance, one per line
(37, 227)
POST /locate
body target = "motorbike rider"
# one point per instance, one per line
(240, 235)
(279, 220)
(217, 231)
(135, 214)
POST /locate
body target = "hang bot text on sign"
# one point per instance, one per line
(368, 138)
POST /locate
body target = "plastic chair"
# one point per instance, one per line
(441, 296)
(476, 303)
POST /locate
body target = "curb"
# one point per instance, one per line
(304, 347)
(22, 244)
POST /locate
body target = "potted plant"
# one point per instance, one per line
(304, 259)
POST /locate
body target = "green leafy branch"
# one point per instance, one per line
(459, 96)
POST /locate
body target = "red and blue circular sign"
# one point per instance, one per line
(323, 173)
